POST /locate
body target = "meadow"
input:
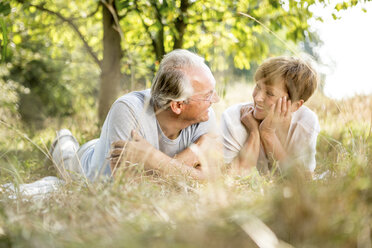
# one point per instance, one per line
(139, 210)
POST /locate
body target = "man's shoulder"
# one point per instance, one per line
(136, 104)
(136, 98)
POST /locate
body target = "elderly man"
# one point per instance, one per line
(155, 127)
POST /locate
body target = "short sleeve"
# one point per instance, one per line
(302, 145)
(121, 121)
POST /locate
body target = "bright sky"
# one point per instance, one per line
(347, 50)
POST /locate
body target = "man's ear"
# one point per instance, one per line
(296, 105)
(176, 106)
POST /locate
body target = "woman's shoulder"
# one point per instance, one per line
(306, 118)
(234, 110)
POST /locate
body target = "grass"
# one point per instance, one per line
(141, 210)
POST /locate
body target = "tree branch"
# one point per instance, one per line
(124, 15)
(180, 25)
(111, 8)
(128, 10)
(207, 20)
(89, 15)
(158, 15)
(75, 28)
(159, 38)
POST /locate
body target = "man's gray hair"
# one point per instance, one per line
(171, 82)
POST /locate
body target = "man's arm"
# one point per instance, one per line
(206, 149)
(186, 163)
(204, 144)
(138, 150)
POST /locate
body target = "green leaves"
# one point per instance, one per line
(341, 6)
(4, 11)
(347, 4)
(4, 41)
(151, 28)
(123, 4)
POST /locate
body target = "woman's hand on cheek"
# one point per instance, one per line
(279, 116)
(247, 118)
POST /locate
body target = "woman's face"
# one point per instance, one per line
(264, 96)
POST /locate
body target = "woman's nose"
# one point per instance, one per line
(258, 96)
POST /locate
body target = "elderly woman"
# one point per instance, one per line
(276, 130)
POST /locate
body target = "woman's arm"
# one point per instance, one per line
(248, 155)
(274, 130)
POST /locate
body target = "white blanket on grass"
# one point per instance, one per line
(38, 189)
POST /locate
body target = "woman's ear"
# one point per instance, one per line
(296, 105)
(176, 106)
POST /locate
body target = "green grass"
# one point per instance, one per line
(139, 210)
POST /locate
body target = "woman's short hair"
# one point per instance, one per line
(299, 76)
(172, 82)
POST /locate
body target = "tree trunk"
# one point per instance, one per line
(181, 25)
(159, 37)
(159, 44)
(110, 74)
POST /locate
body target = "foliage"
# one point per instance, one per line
(213, 29)
(42, 80)
(148, 29)
(46, 70)
(4, 11)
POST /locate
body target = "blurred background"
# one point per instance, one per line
(62, 58)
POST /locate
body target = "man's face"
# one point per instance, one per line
(264, 96)
(203, 83)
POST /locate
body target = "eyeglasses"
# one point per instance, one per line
(211, 97)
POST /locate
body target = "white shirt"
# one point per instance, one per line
(300, 143)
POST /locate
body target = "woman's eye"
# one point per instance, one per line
(269, 93)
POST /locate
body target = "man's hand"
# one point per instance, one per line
(133, 151)
(278, 118)
(139, 150)
(248, 120)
